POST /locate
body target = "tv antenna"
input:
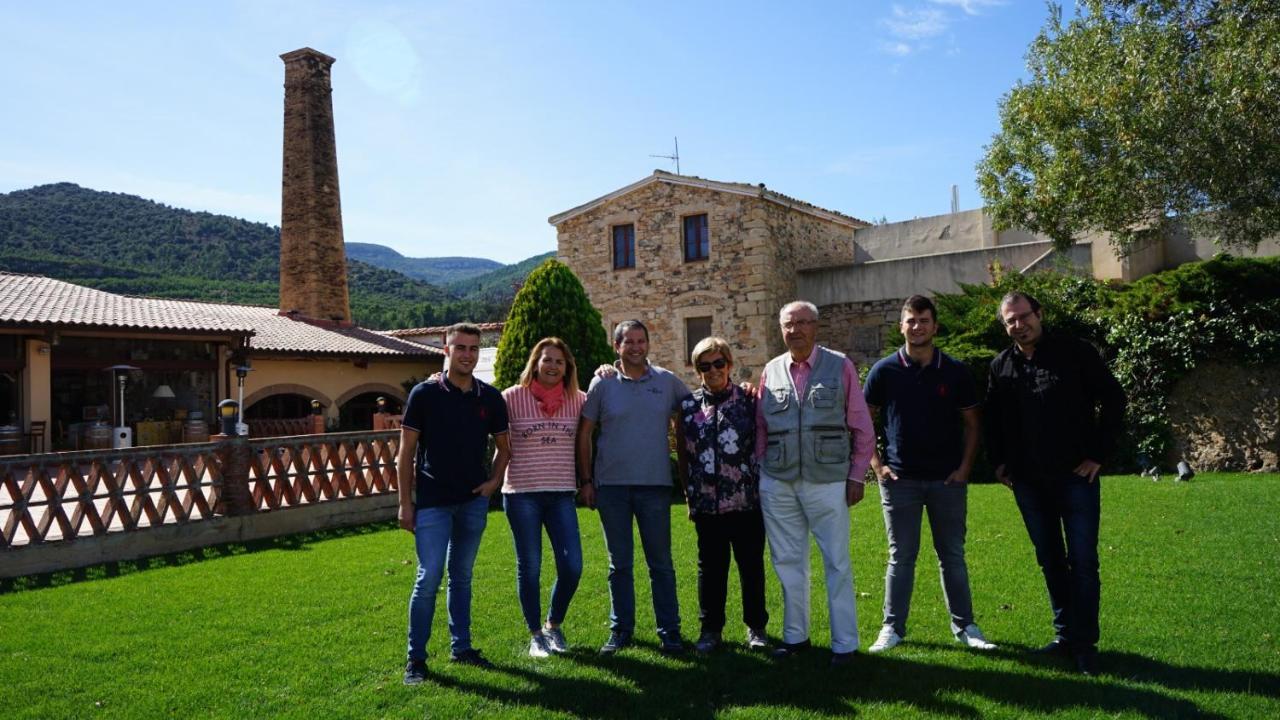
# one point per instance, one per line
(674, 157)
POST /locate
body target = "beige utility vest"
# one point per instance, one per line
(808, 436)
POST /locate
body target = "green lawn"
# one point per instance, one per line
(313, 627)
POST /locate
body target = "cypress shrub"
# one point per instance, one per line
(552, 302)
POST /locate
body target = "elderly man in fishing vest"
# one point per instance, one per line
(814, 438)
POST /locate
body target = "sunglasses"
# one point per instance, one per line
(718, 363)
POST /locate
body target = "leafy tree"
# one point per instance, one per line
(551, 302)
(1137, 112)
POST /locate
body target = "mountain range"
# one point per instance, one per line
(127, 244)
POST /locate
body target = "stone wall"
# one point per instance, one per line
(1227, 417)
(860, 329)
(756, 247)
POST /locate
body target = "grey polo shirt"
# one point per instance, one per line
(633, 417)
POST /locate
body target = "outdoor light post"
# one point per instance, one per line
(242, 428)
(229, 414)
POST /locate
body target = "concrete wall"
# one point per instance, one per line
(968, 230)
(929, 274)
(1183, 247)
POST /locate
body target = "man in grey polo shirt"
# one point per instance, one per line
(631, 477)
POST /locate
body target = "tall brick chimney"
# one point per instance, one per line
(313, 259)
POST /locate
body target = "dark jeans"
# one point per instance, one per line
(1061, 516)
(904, 503)
(528, 513)
(650, 506)
(743, 533)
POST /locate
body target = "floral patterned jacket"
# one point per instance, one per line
(719, 441)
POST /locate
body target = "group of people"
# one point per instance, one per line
(780, 460)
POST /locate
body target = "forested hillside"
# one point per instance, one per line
(437, 270)
(499, 285)
(126, 244)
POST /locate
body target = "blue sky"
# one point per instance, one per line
(462, 126)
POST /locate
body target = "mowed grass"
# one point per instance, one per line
(313, 627)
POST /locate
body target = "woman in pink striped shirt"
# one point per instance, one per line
(541, 484)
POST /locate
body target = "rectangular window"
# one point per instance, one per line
(697, 244)
(624, 246)
(695, 329)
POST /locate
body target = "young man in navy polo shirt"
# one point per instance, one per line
(931, 423)
(444, 493)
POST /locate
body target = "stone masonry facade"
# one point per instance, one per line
(757, 243)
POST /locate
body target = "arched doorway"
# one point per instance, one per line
(282, 406)
(357, 413)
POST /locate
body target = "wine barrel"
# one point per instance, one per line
(195, 430)
(97, 436)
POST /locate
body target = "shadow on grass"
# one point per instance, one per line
(702, 687)
(1135, 668)
(298, 542)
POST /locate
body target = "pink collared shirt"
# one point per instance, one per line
(856, 416)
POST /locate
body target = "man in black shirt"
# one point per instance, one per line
(1053, 412)
(444, 491)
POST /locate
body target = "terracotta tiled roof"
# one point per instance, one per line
(731, 187)
(34, 300)
(439, 329)
(275, 332)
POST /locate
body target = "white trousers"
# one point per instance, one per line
(792, 510)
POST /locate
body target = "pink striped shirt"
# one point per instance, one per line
(542, 448)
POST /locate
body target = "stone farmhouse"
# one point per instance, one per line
(693, 257)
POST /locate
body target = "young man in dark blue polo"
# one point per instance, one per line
(931, 424)
(444, 492)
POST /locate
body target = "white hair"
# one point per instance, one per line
(796, 305)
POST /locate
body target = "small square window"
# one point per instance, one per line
(695, 329)
(697, 243)
(624, 246)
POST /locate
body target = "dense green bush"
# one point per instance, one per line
(551, 302)
(1150, 332)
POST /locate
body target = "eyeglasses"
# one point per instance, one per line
(718, 363)
(794, 324)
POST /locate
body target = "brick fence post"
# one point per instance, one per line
(236, 499)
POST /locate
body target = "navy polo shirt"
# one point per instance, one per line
(453, 437)
(920, 407)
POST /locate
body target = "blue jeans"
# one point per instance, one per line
(445, 536)
(1061, 515)
(904, 503)
(651, 508)
(528, 513)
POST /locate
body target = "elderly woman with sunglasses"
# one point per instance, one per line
(715, 448)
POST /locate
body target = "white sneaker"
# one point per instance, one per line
(972, 637)
(538, 647)
(887, 640)
(555, 639)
